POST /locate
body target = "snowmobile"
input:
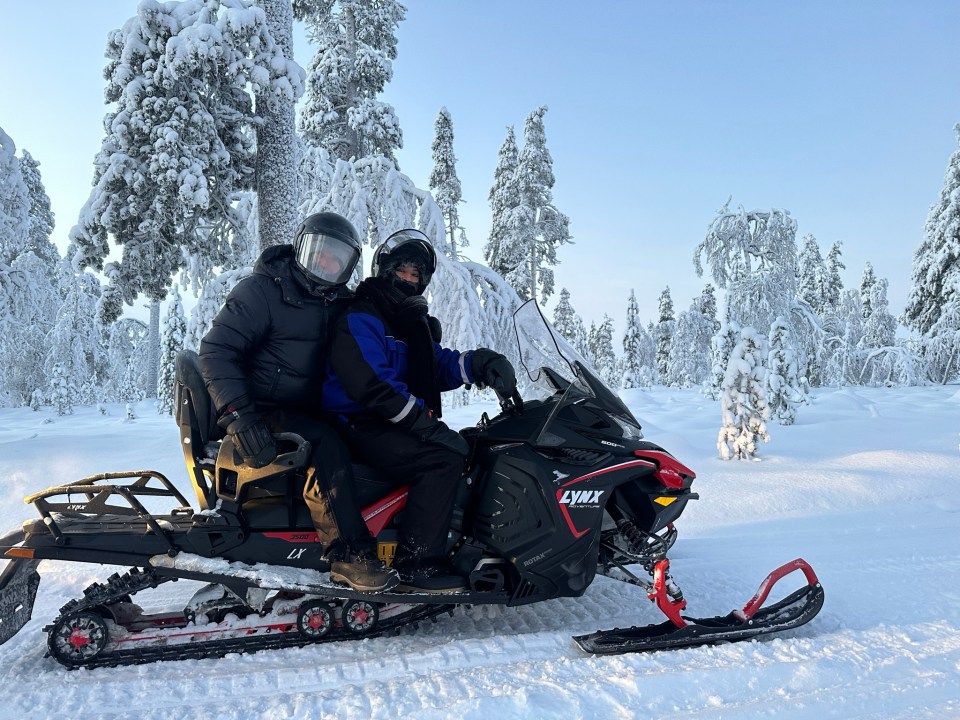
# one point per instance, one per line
(557, 489)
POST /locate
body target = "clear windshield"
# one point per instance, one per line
(554, 366)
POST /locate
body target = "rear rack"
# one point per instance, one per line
(97, 497)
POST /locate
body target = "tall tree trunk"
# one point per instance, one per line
(153, 349)
(276, 143)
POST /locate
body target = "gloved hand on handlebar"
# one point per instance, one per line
(251, 436)
(491, 369)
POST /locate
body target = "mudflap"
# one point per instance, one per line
(18, 591)
(754, 620)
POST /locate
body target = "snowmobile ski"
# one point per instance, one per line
(680, 631)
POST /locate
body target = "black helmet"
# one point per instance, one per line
(327, 248)
(405, 246)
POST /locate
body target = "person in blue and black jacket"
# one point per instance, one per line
(387, 370)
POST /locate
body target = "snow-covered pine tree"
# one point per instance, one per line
(867, 281)
(932, 306)
(666, 324)
(444, 181)
(688, 363)
(721, 346)
(179, 144)
(570, 325)
(356, 45)
(124, 363)
(171, 343)
(605, 359)
(743, 401)
(535, 224)
(833, 284)
(879, 326)
(708, 306)
(502, 253)
(639, 350)
(14, 203)
(73, 346)
(941, 352)
(784, 389)
(29, 295)
(811, 275)
(845, 362)
(41, 215)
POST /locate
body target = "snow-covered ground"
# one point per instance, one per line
(866, 487)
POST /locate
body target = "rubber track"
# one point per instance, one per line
(119, 586)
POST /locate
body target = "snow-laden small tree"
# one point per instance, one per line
(73, 346)
(666, 325)
(125, 361)
(639, 350)
(535, 224)
(569, 324)
(785, 392)
(356, 44)
(833, 283)
(171, 343)
(812, 275)
(743, 401)
(502, 252)
(688, 364)
(845, 362)
(721, 345)
(605, 359)
(444, 181)
(879, 326)
(867, 280)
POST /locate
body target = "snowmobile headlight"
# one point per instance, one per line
(630, 431)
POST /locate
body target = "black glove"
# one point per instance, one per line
(436, 329)
(413, 307)
(428, 429)
(491, 369)
(251, 437)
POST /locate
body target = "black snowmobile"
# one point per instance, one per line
(557, 489)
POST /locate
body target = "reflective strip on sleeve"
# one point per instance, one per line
(463, 368)
(407, 409)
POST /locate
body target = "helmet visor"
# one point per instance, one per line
(327, 258)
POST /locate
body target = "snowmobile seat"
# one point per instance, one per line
(197, 420)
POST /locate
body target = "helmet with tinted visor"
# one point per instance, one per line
(327, 248)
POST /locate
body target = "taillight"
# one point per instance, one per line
(670, 471)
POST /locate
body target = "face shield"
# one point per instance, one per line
(326, 259)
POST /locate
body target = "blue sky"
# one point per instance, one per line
(840, 112)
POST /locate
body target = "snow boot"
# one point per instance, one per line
(362, 570)
(422, 575)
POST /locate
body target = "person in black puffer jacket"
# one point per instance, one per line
(387, 370)
(262, 361)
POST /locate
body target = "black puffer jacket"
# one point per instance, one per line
(269, 342)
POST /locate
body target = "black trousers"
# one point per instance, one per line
(432, 473)
(329, 491)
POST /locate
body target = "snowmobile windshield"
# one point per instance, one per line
(549, 361)
(554, 366)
